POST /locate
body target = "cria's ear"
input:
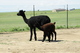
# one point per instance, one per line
(54, 22)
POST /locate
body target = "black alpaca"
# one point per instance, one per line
(33, 22)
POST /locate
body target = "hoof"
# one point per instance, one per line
(30, 40)
(49, 41)
(42, 41)
(35, 40)
(55, 40)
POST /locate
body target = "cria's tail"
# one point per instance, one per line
(54, 22)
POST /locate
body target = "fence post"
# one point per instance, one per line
(33, 10)
(67, 16)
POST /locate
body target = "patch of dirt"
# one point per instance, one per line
(68, 41)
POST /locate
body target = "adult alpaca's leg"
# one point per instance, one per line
(31, 34)
(35, 34)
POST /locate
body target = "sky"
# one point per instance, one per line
(16, 5)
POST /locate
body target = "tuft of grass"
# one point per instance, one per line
(18, 29)
(61, 27)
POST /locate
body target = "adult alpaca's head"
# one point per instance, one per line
(21, 13)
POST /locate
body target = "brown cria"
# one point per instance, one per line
(34, 22)
(48, 30)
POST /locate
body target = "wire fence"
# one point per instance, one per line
(64, 18)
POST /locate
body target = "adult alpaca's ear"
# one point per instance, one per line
(24, 11)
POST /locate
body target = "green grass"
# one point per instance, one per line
(10, 22)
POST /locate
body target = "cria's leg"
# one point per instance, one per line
(49, 37)
(55, 35)
(52, 36)
(44, 38)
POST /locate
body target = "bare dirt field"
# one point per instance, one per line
(68, 41)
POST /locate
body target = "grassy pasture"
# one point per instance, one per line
(9, 21)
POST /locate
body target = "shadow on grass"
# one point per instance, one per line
(52, 41)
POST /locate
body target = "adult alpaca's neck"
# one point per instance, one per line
(25, 19)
